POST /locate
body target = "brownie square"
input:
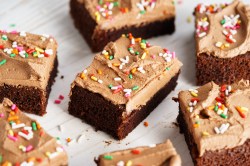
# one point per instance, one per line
(123, 85)
(24, 142)
(215, 120)
(222, 43)
(28, 67)
(103, 21)
(163, 154)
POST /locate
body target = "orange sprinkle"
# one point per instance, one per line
(99, 71)
(83, 76)
(13, 118)
(241, 112)
(68, 139)
(12, 113)
(196, 125)
(145, 124)
(138, 39)
(31, 159)
(116, 64)
(133, 70)
(38, 126)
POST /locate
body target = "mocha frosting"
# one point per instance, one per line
(129, 12)
(212, 40)
(163, 154)
(220, 117)
(29, 58)
(129, 75)
(23, 141)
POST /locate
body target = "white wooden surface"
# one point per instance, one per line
(52, 17)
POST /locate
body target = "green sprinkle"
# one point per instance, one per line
(110, 86)
(12, 55)
(216, 108)
(135, 88)
(26, 55)
(137, 53)
(168, 68)
(223, 21)
(197, 122)
(12, 25)
(144, 41)
(223, 116)
(3, 62)
(1, 158)
(11, 122)
(111, 57)
(57, 138)
(4, 37)
(100, 2)
(142, 12)
(130, 48)
(116, 3)
(130, 76)
(108, 157)
(33, 124)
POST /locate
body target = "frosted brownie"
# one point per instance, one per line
(222, 43)
(215, 122)
(103, 21)
(24, 142)
(28, 67)
(123, 85)
(163, 154)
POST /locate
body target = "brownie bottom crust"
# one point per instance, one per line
(98, 40)
(222, 70)
(30, 99)
(106, 116)
(238, 156)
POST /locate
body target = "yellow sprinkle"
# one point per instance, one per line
(39, 50)
(6, 163)
(204, 133)
(12, 113)
(47, 154)
(31, 159)
(143, 45)
(123, 35)
(129, 163)
(11, 132)
(210, 107)
(97, 16)
(196, 125)
(194, 94)
(94, 78)
(116, 64)
(227, 45)
(21, 147)
(83, 76)
(144, 55)
(99, 71)
(244, 109)
(197, 116)
(133, 70)
(106, 56)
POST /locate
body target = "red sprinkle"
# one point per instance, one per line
(195, 99)
(135, 151)
(61, 97)
(39, 160)
(117, 90)
(1, 47)
(57, 101)
(223, 88)
(219, 99)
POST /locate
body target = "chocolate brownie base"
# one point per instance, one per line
(239, 155)
(106, 116)
(30, 99)
(86, 25)
(222, 70)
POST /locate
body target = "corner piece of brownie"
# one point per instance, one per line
(24, 142)
(123, 85)
(157, 155)
(103, 21)
(222, 43)
(215, 122)
(28, 67)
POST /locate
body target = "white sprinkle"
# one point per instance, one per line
(229, 88)
(27, 137)
(104, 52)
(202, 34)
(190, 104)
(22, 33)
(85, 71)
(117, 79)
(49, 51)
(53, 155)
(218, 44)
(100, 81)
(225, 32)
(80, 138)
(191, 109)
(127, 90)
(40, 55)
(194, 103)
(59, 149)
(16, 126)
(226, 92)
(28, 128)
(217, 131)
(193, 90)
(120, 163)
(152, 145)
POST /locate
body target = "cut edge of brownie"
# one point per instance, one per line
(236, 156)
(108, 117)
(30, 99)
(86, 26)
(222, 70)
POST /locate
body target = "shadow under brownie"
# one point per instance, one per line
(222, 43)
(123, 85)
(99, 24)
(214, 121)
(28, 69)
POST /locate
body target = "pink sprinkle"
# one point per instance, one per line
(119, 86)
(57, 101)
(14, 32)
(127, 95)
(153, 56)
(29, 148)
(61, 97)
(13, 107)
(1, 115)
(12, 138)
(98, 7)
(173, 55)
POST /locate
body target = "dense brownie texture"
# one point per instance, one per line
(123, 84)
(28, 67)
(85, 23)
(163, 154)
(97, 116)
(239, 155)
(222, 43)
(30, 99)
(213, 119)
(222, 71)
(24, 142)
